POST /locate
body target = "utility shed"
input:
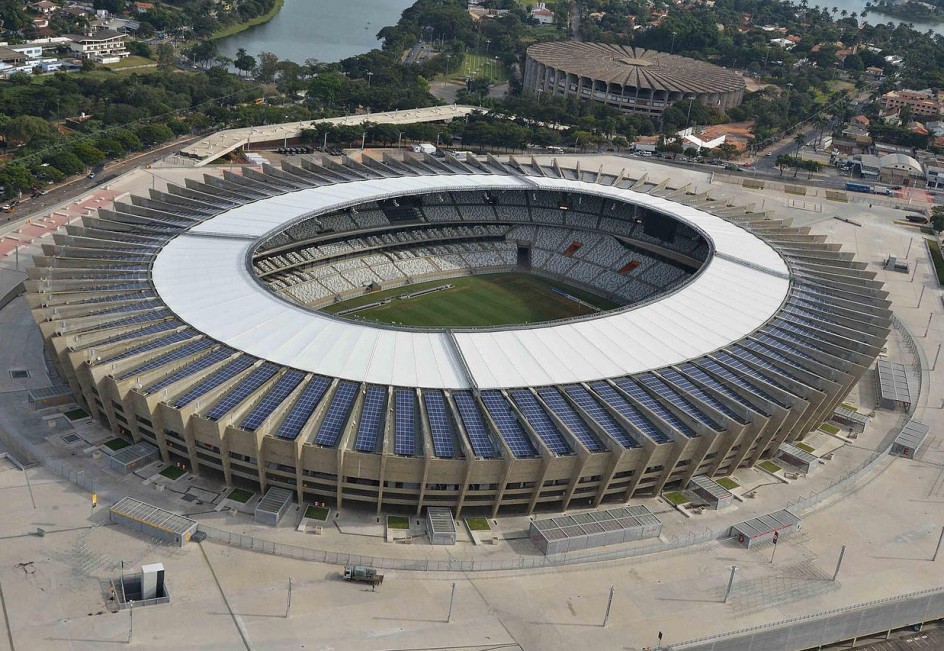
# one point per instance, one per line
(135, 456)
(717, 496)
(272, 506)
(851, 418)
(440, 526)
(893, 385)
(912, 436)
(569, 533)
(761, 529)
(799, 459)
(153, 521)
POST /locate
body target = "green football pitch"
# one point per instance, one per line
(475, 301)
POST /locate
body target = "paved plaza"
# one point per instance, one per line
(53, 588)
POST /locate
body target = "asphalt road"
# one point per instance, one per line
(67, 191)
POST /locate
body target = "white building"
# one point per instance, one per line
(105, 46)
(542, 14)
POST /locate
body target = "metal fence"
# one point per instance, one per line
(828, 627)
(454, 565)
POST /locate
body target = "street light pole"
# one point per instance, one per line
(609, 604)
(369, 75)
(288, 606)
(727, 592)
(842, 552)
(452, 598)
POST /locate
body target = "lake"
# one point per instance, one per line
(326, 30)
(874, 18)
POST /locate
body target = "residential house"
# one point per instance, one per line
(104, 46)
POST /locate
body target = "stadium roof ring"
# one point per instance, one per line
(203, 278)
(168, 316)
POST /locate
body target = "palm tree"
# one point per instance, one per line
(798, 141)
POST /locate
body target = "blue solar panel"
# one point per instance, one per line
(699, 375)
(272, 399)
(243, 390)
(439, 424)
(697, 392)
(338, 412)
(508, 426)
(665, 391)
(404, 440)
(752, 350)
(804, 330)
(562, 409)
(642, 397)
(174, 338)
(228, 372)
(157, 328)
(204, 362)
(540, 421)
(482, 444)
(779, 346)
(301, 411)
(601, 417)
(167, 358)
(115, 298)
(735, 358)
(611, 397)
(131, 320)
(372, 411)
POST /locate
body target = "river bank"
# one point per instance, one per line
(232, 30)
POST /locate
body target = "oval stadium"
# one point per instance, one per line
(631, 79)
(421, 331)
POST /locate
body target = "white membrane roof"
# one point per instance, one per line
(204, 278)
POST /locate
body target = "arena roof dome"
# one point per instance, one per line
(636, 67)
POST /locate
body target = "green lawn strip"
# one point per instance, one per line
(805, 447)
(676, 498)
(938, 259)
(240, 495)
(848, 406)
(116, 444)
(76, 414)
(769, 466)
(242, 27)
(828, 428)
(478, 524)
(398, 522)
(132, 62)
(316, 513)
(480, 66)
(476, 301)
(173, 473)
(727, 483)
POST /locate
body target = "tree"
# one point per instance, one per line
(25, 129)
(937, 218)
(87, 153)
(244, 62)
(66, 162)
(204, 52)
(166, 59)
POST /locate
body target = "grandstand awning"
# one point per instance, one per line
(207, 282)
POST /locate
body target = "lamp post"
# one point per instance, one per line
(399, 139)
(487, 42)
(688, 119)
(369, 75)
(672, 47)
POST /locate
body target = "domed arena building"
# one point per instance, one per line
(628, 78)
(255, 326)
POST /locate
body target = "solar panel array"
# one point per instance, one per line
(301, 411)
(338, 411)
(404, 430)
(228, 372)
(152, 345)
(440, 426)
(562, 409)
(153, 315)
(749, 354)
(184, 351)
(692, 389)
(372, 411)
(611, 397)
(201, 364)
(272, 399)
(540, 421)
(243, 390)
(665, 391)
(601, 416)
(479, 439)
(701, 376)
(750, 371)
(508, 426)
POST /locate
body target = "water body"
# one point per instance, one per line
(875, 18)
(326, 30)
